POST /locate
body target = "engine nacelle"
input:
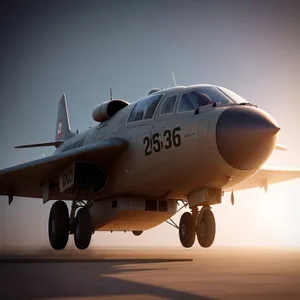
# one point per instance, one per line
(107, 109)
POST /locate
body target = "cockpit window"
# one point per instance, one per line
(201, 97)
(232, 95)
(169, 105)
(144, 109)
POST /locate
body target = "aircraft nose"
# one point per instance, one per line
(246, 136)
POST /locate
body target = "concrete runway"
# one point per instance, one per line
(152, 274)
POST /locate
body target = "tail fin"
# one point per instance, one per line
(63, 128)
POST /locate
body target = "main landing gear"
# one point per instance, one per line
(61, 225)
(58, 225)
(83, 228)
(200, 223)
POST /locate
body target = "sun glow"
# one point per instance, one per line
(272, 214)
(275, 219)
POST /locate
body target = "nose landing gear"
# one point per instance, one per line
(187, 230)
(201, 223)
(206, 227)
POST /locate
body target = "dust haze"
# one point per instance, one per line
(84, 48)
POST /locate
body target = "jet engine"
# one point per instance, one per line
(107, 109)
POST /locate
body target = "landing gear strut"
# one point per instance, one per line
(200, 223)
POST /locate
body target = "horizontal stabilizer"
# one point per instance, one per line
(281, 147)
(55, 144)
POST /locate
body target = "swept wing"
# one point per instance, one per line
(26, 180)
(267, 176)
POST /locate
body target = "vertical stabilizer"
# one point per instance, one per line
(63, 128)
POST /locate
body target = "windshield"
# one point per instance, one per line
(201, 97)
(232, 95)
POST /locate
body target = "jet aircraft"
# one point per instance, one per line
(181, 145)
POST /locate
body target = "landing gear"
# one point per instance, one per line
(187, 230)
(200, 223)
(83, 229)
(206, 228)
(58, 225)
(137, 233)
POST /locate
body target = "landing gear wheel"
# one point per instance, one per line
(58, 225)
(83, 229)
(187, 230)
(137, 233)
(206, 228)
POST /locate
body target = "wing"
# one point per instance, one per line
(26, 180)
(266, 176)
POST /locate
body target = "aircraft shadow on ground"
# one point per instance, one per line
(81, 279)
(124, 261)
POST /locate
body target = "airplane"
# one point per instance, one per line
(183, 145)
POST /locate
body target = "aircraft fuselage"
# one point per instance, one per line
(174, 155)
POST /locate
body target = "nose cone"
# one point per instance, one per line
(246, 136)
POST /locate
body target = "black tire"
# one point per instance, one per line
(58, 225)
(137, 233)
(206, 228)
(83, 229)
(187, 230)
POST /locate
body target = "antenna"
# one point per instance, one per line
(174, 79)
(110, 94)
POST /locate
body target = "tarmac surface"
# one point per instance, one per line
(151, 274)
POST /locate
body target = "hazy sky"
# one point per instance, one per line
(83, 48)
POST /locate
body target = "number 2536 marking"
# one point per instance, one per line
(158, 142)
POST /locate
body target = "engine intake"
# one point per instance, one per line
(107, 109)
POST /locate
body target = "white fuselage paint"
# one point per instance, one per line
(176, 172)
(170, 173)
